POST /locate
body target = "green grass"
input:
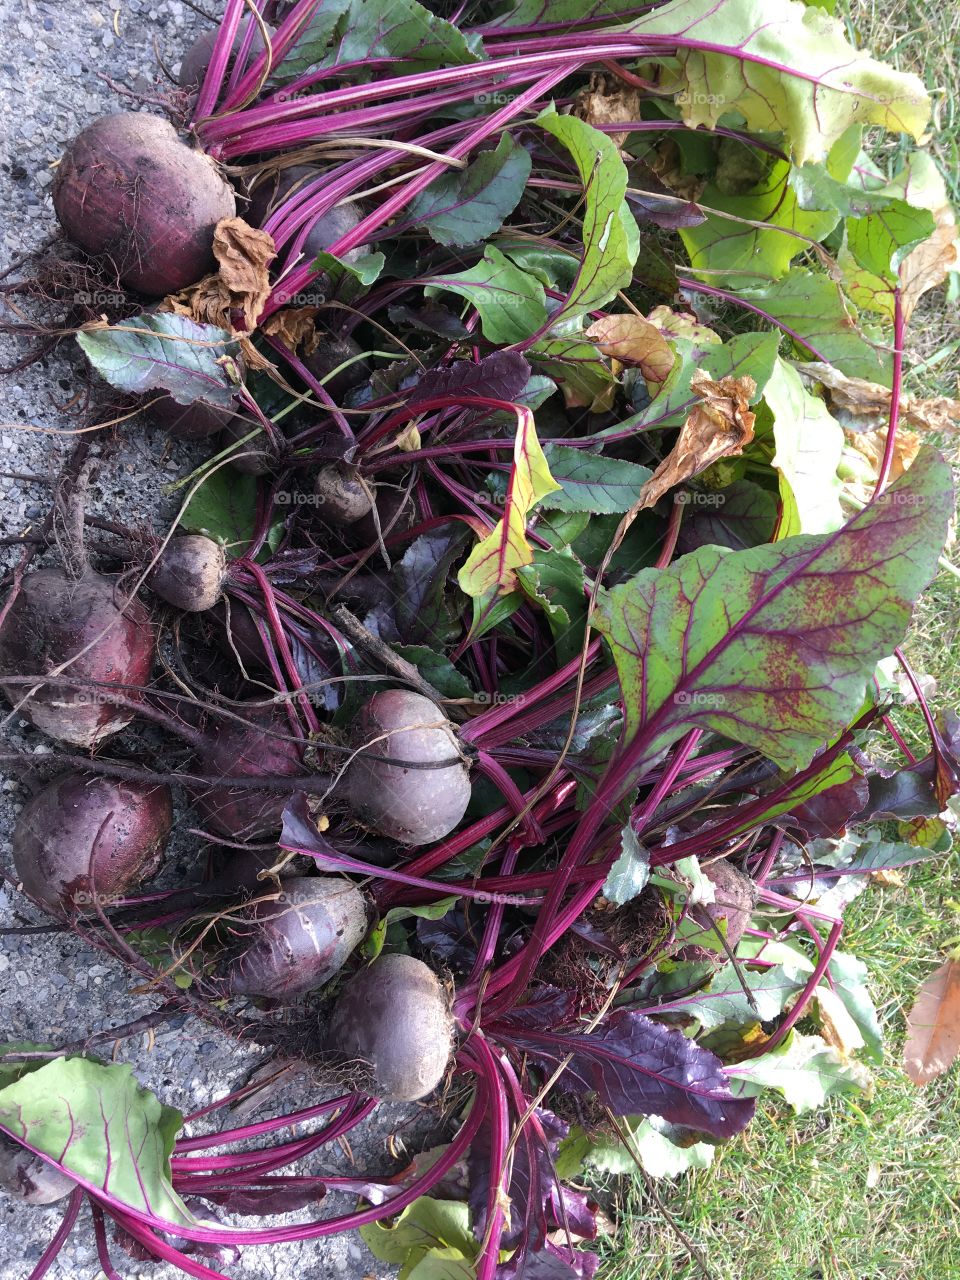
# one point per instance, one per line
(868, 1192)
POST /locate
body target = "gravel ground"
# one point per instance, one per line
(55, 988)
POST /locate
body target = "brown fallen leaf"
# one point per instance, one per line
(857, 403)
(633, 340)
(294, 326)
(870, 445)
(933, 1025)
(666, 161)
(233, 297)
(888, 878)
(606, 101)
(928, 264)
(719, 427)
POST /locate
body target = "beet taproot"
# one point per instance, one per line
(55, 617)
(413, 806)
(190, 573)
(300, 941)
(394, 1017)
(130, 189)
(84, 840)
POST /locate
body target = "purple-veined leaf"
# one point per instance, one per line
(431, 318)
(94, 1121)
(773, 646)
(583, 376)
(830, 811)
(491, 567)
(422, 1226)
(784, 68)
(738, 516)
(511, 302)
(450, 939)
(424, 613)
(503, 375)
(611, 240)
(221, 1254)
(224, 508)
(555, 583)
(468, 206)
(656, 204)
(532, 1181)
(814, 307)
(165, 352)
(592, 483)
(723, 1002)
(532, 12)
(259, 1202)
(809, 442)
(638, 1067)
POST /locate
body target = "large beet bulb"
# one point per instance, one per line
(129, 188)
(393, 1016)
(55, 617)
(83, 836)
(29, 1178)
(247, 751)
(414, 806)
(300, 941)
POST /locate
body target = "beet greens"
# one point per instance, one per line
(530, 623)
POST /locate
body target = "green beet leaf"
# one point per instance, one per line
(511, 302)
(468, 206)
(102, 1127)
(773, 646)
(782, 68)
(591, 483)
(804, 1069)
(165, 352)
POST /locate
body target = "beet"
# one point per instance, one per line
(190, 573)
(78, 824)
(331, 352)
(28, 1177)
(300, 941)
(258, 458)
(341, 496)
(236, 636)
(129, 188)
(54, 617)
(413, 806)
(237, 750)
(193, 65)
(734, 901)
(394, 1017)
(273, 190)
(193, 421)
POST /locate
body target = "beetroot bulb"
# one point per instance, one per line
(130, 189)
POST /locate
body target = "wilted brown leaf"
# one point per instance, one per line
(293, 326)
(837, 1025)
(607, 101)
(681, 324)
(667, 163)
(719, 427)
(233, 297)
(633, 340)
(862, 405)
(888, 878)
(927, 265)
(933, 1025)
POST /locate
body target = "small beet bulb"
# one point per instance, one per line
(259, 750)
(277, 189)
(127, 187)
(413, 806)
(53, 618)
(83, 836)
(394, 1017)
(300, 941)
(190, 573)
(29, 1178)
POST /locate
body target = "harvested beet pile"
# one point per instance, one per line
(522, 646)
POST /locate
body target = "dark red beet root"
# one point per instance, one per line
(28, 1178)
(129, 188)
(329, 355)
(54, 617)
(83, 836)
(413, 806)
(274, 190)
(341, 495)
(190, 572)
(393, 1016)
(239, 751)
(299, 942)
(193, 66)
(236, 634)
(735, 898)
(187, 421)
